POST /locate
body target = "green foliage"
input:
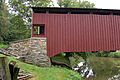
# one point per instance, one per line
(104, 67)
(107, 54)
(19, 17)
(86, 4)
(42, 3)
(102, 53)
(22, 8)
(61, 59)
(62, 54)
(84, 55)
(3, 20)
(114, 54)
(75, 4)
(3, 45)
(17, 29)
(73, 76)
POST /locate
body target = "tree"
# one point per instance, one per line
(3, 20)
(20, 13)
(17, 29)
(75, 4)
(22, 8)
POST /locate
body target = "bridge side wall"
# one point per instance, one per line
(79, 32)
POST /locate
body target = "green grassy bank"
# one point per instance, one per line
(50, 73)
(3, 46)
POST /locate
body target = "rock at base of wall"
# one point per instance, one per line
(39, 59)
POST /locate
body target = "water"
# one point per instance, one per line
(104, 67)
(83, 69)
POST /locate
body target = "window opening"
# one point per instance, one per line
(39, 29)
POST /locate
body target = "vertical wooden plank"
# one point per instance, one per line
(14, 70)
(4, 69)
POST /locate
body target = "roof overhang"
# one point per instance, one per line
(58, 10)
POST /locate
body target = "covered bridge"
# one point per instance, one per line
(77, 29)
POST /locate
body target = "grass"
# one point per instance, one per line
(49, 73)
(3, 46)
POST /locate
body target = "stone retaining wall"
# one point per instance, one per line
(32, 50)
(19, 48)
(38, 52)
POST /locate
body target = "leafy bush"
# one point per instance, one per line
(3, 45)
(114, 54)
(102, 54)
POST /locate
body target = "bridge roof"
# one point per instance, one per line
(59, 10)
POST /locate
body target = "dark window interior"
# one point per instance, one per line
(42, 29)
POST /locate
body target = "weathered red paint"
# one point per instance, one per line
(79, 32)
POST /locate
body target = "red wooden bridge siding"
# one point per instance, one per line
(79, 32)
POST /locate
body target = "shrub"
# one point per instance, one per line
(114, 54)
(3, 45)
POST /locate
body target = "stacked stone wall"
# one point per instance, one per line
(32, 50)
(19, 48)
(38, 52)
